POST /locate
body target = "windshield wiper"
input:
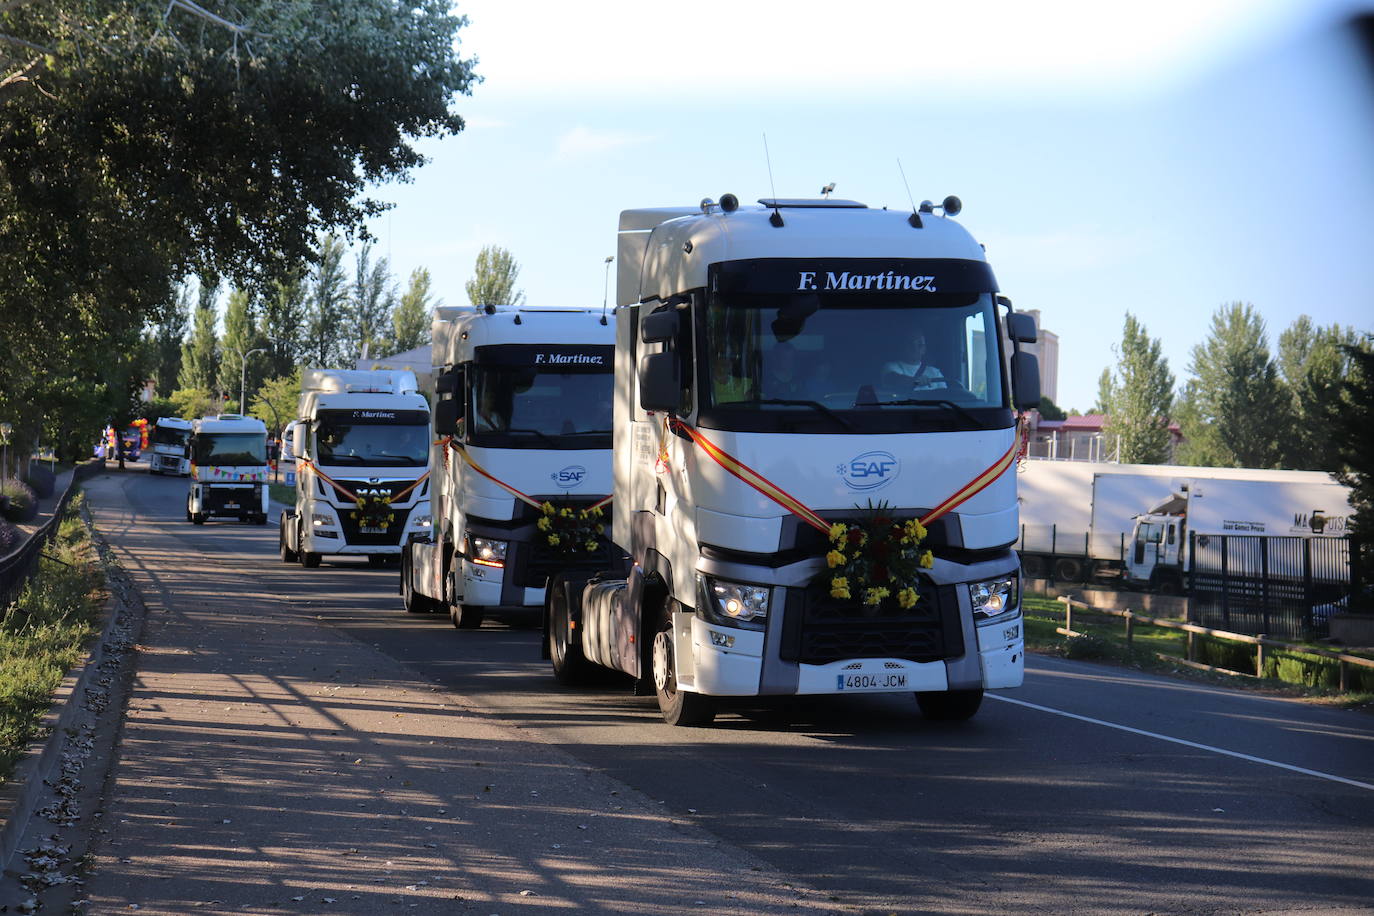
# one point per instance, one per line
(342, 459)
(589, 432)
(939, 402)
(799, 402)
(543, 436)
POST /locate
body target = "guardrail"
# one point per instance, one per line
(18, 566)
(1343, 660)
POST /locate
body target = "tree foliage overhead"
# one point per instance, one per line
(142, 140)
(1313, 363)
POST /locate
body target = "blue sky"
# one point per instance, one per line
(1160, 159)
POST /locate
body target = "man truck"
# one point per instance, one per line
(521, 458)
(228, 455)
(168, 447)
(1133, 523)
(361, 449)
(843, 528)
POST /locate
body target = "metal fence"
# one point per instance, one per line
(17, 567)
(1276, 586)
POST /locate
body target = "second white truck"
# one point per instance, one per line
(523, 430)
(167, 447)
(361, 450)
(228, 455)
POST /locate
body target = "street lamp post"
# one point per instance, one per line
(243, 379)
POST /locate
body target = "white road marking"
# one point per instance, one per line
(1192, 744)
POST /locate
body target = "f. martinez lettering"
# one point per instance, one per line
(890, 280)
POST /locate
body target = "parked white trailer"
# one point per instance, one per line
(228, 456)
(361, 449)
(1087, 519)
(522, 422)
(167, 447)
(779, 369)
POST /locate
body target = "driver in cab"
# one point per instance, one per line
(913, 372)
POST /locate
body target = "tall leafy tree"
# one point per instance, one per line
(284, 323)
(164, 340)
(200, 356)
(1104, 391)
(1236, 393)
(1313, 362)
(327, 305)
(411, 321)
(240, 336)
(1139, 398)
(142, 141)
(1352, 426)
(372, 301)
(274, 403)
(493, 278)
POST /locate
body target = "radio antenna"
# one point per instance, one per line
(915, 217)
(776, 218)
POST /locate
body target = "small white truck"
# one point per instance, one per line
(798, 385)
(522, 425)
(1132, 523)
(361, 448)
(167, 447)
(228, 455)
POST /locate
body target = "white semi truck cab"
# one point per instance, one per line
(167, 447)
(361, 445)
(523, 450)
(228, 456)
(798, 383)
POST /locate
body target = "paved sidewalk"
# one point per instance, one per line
(271, 764)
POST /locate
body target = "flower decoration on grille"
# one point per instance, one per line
(876, 557)
(373, 511)
(568, 529)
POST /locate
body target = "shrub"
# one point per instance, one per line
(22, 504)
(1086, 645)
(9, 538)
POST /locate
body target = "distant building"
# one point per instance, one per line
(1046, 350)
(1082, 439)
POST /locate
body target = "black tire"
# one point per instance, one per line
(950, 705)
(1068, 569)
(197, 518)
(1033, 567)
(414, 602)
(679, 708)
(376, 560)
(570, 666)
(188, 509)
(467, 616)
(262, 518)
(310, 560)
(287, 554)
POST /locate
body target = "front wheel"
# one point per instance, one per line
(570, 666)
(310, 559)
(950, 705)
(414, 602)
(467, 616)
(197, 518)
(677, 706)
(287, 554)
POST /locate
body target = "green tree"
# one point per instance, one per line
(275, 401)
(1240, 406)
(1139, 398)
(284, 319)
(164, 340)
(1352, 426)
(200, 355)
(1104, 391)
(372, 301)
(191, 403)
(1313, 362)
(411, 321)
(327, 305)
(240, 336)
(1050, 411)
(493, 278)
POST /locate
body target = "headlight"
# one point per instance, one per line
(994, 598)
(485, 552)
(323, 519)
(422, 521)
(734, 603)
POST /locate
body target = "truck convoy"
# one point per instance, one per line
(1082, 520)
(361, 446)
(168, 442)
(228, 455)
(522, 461)
(814, 423)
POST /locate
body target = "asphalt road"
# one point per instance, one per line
(1089, 789)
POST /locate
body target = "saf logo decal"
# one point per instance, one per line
(869, 470)
(569, 477)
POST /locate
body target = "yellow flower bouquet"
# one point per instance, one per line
(570, 530)
(876, 557)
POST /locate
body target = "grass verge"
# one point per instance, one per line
(44, 633)
(1104, 639)
(282, 493)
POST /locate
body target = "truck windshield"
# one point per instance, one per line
(540, 407)
(820, 361)
(166, 435)
(396, 445)
(230, 450)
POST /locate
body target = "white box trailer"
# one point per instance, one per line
(1086, 519)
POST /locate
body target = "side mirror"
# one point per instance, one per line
(446, 414)
(660, 327)
(1021, 327)
(659, 386)
(1025, 381)
(447, 382)
(186, 450)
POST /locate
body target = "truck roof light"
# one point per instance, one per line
(952, 205)
(729, 203)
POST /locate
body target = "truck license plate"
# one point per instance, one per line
(892, 681)
(231, 505)
(371, 529)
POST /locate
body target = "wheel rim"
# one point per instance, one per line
(663, 664)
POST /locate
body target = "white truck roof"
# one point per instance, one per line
(173, 423)
(229, 423)
(359, 381)
(666, 250)
(458, 331)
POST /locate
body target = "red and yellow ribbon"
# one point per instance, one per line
(344, 491)
(450, 443)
